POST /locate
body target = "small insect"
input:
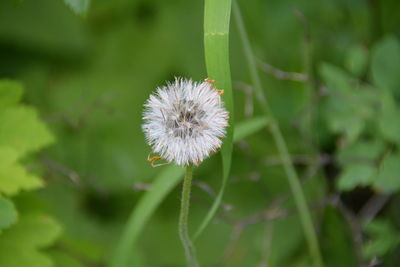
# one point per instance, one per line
(208, 80)
(153, 159)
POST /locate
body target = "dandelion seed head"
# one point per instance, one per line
(185, 121)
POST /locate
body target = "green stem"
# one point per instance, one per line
(183, 219)
(295, 186)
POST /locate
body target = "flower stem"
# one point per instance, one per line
(183, 219)
(293, 179)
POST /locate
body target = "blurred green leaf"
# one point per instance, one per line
(10, 93)
(388, 179)
(8, 213)
(388, 118)
(348, 105)
(339, 106)
(336, 79)
(357, 60)
(62, 259)
(363, 151)
(20, 245)
(386, 63)
(383, 238)
(248, 127)
(79, 6)
(350, 126)
(13, 176)
(337, 238)
(355, 175)
(21, 129)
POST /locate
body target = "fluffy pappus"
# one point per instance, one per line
(185, 121)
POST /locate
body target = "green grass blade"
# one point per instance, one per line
(293, 179)
(216, 44)
(248, 127)
(163, 184)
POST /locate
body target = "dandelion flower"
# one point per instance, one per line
(185, 121)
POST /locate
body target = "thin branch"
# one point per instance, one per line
(280, 74)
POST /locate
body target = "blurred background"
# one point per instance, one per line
(330, 70)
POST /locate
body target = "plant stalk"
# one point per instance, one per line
(190, 252)
(295, 186)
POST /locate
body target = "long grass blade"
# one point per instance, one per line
(216, 44)
(293, 179)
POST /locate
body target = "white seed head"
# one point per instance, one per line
(185, 121)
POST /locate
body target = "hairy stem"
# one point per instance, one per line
(295, 186)
(183, 219)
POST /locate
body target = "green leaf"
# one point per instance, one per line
(388, 118)
(13, 176)
(361, 152)
(21, 129)
(248, 127)
(80, 7)
(349, 125)
(338, 249)
(383, 238)
(348, 105)
(388, 178)
(8, 213)
(216, 46)
(386, 64)
(355, 175)
(335, 78)
(357, 60)
(10, 93)
(25, 239)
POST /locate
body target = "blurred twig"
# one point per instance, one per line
(54, 166)
(372, 207)
(280, 74)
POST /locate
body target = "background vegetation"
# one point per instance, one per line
(75, 186)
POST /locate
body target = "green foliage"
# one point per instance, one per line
(10, 93)
(13, 176)
(387, 179)
(21, 129)
(248, 127)
(357, 60)
(160, 188)
(88, 77)
(354, 175)
(8, 213)
(366, 117)
(385, 64)
(21, 133)
(383, 238)
(339, 249)
(349, 106)
(25, 239)
(388, 114)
